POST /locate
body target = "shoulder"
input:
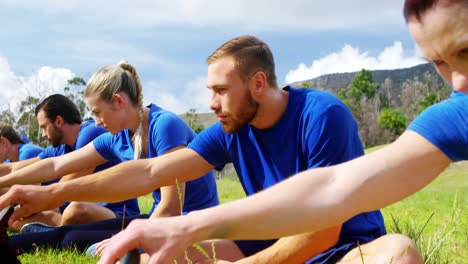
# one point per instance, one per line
(163, 120)
(444, 125)
(89, 127)
(454, 109)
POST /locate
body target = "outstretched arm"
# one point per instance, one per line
(311, 201)
(6, 168)
(296, 248)
(52, 168)
(126, 180)
(329, 196)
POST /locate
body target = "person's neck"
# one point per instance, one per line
(14, 152)
(70, 133)
(134, 121)
(271, 109)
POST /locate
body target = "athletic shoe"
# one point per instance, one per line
(35, 227)
(91, 250)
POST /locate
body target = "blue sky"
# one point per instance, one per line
(43, 43)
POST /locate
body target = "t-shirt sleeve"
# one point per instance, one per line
(103, 145)
(211, 145)
(446, 126)
(88, 134)
(331, 137)
(52, 152)
(168, 132)
(29, 152)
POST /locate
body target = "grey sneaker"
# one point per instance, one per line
(35, 227)
(91, 250)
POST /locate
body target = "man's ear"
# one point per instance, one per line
(59, 121)
(258, 83)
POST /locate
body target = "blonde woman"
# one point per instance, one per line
(114, 95)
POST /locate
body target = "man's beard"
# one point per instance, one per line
(56, 139)
(246, 114)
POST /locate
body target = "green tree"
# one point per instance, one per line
(7, 117)
(361, 86)
(27, 122)
(191, 118)
(306, 84)
(393, 120)
(74, 91)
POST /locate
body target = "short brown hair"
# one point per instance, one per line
(250, 55)
(9, 133)
(417, 8)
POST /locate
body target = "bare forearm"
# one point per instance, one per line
(7, 168)
(31, 173)
(319, 198)
(297, 248)
(126, 180)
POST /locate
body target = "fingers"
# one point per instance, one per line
(7, 199)
(101, 246)
(117, 247)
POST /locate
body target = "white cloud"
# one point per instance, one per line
(179, 98)
(351, 59)
(43, 82)
(47, 80)
(246, 14)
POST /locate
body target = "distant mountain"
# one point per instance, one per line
(337, 81)
(204, 119)
(393, 79)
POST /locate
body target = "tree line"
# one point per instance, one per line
(381, 116)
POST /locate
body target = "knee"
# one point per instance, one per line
(404, 249)
(74, 212)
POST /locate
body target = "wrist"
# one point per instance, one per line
(56, 194)
(202, 226)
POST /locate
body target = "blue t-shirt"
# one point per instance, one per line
(446, 126)
(24, 138)
(316, 130)
(166, 131)
(88, 132)
(28, 151)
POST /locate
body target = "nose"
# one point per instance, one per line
(214, 103)
(460, 81)
(43, 133)
(98, 121)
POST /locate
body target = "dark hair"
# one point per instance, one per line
(9, 133)
(417, 8)
(250, 55)
(59, 105)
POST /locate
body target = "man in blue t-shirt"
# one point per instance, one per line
(14, 147)
(269, 134)
(61, 124)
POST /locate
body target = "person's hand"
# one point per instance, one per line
(163, 239)
(101, 246)
(30, 199)
(207, 261)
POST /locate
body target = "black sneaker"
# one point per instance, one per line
(7, 253)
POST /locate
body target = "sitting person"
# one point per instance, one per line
(320, 198)
(114, 95)
(268, 133)
(61, 124)
(13, 147)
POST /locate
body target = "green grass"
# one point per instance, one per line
(445, 199)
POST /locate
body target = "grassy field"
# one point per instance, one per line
(442, 205)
